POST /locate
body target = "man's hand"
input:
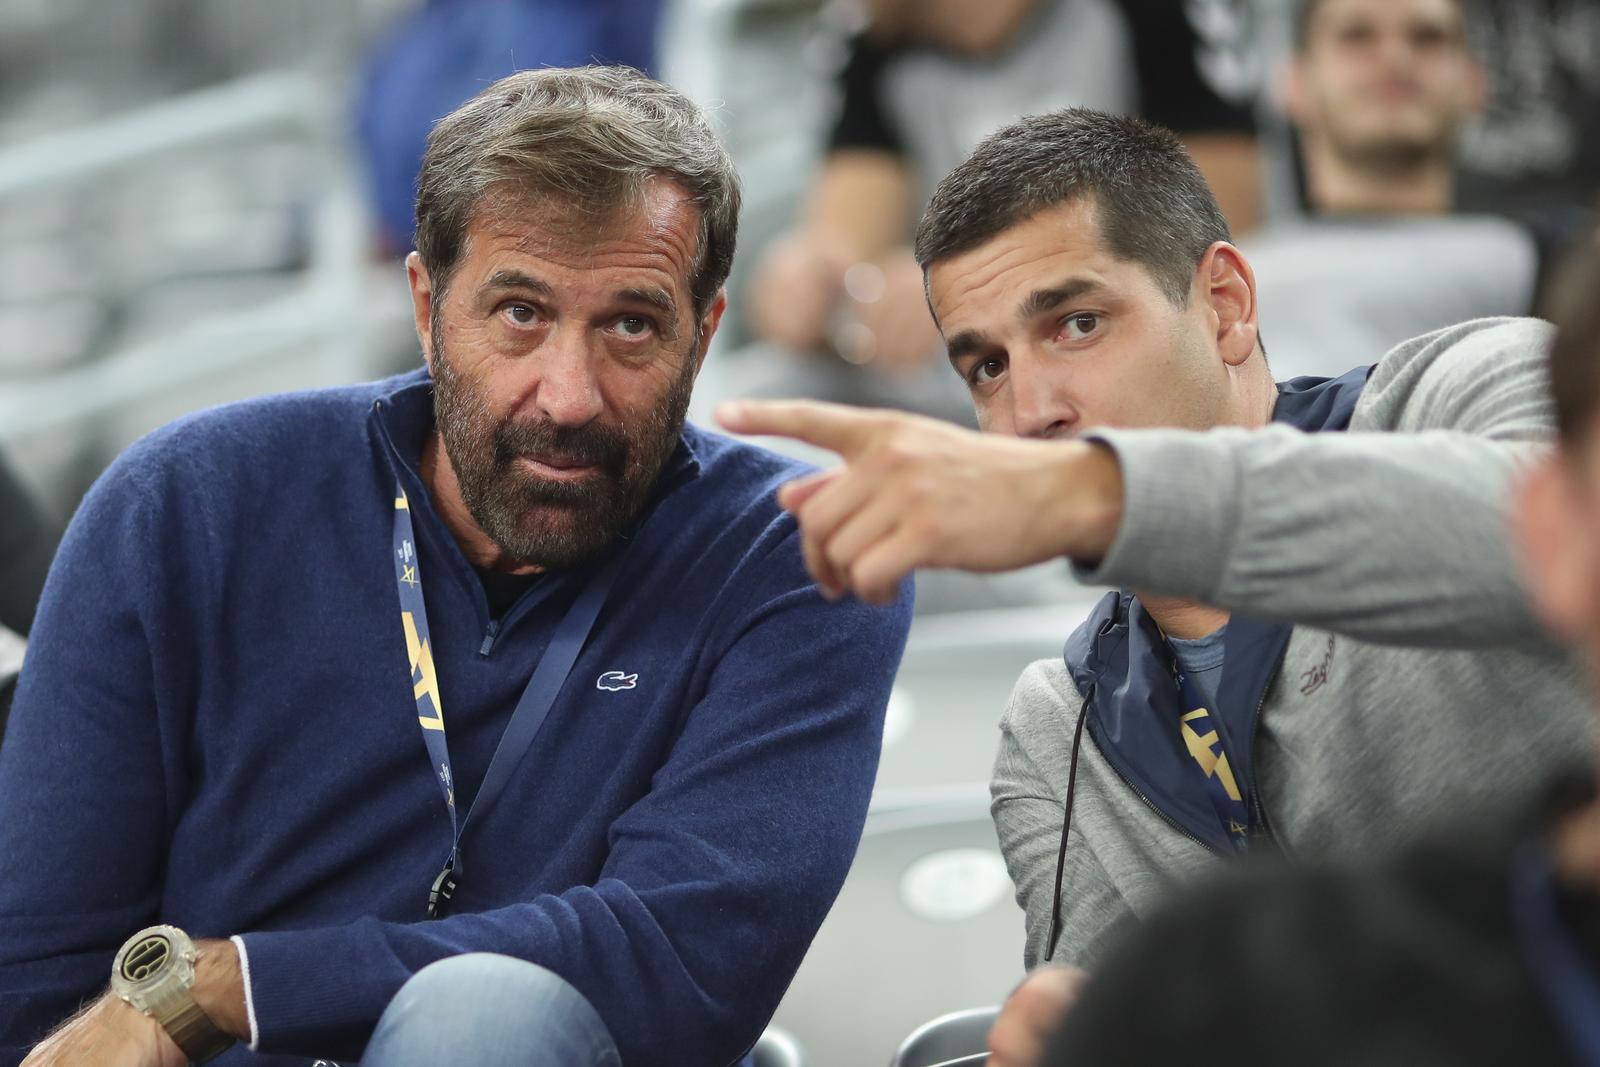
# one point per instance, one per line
(110, 1033)
(1031, 1014)
(916, 492)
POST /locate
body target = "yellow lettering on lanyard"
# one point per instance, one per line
(1212, 762)
(424, 682)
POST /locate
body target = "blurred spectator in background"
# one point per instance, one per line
(27, 542)
(839, 299)
(1379, 92)
(1536, 149)
(12, 648)
(448, 51)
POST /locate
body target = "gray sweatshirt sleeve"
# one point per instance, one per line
(1027, 805)
(1393, 532)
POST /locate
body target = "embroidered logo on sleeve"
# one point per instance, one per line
(614, 680)
(1315, 678)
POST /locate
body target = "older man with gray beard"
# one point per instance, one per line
(497, 663)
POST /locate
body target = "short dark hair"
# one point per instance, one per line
(1305, 11)
(1574, 306)
(1152, 203)
(589, 135)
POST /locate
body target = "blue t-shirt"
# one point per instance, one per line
(1201, 660)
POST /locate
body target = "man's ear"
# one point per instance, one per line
(708, 327)
(1557, 546)
(421, 304)
(1228, 285)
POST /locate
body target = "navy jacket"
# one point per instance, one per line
(1122, 667)
(215, 728)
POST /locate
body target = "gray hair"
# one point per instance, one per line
(589, 137)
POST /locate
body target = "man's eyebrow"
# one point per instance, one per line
(654, 297)
(965, 343)
(515, 279)
(1041, 300)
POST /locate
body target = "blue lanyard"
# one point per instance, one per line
(1570, 986)
(548, 677)
(1202, 736)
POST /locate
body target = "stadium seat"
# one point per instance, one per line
(776, 1049)
(925, 924)
(958, 1038)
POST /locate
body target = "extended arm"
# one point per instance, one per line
(1387, 536)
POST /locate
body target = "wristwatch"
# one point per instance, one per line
(154, 971)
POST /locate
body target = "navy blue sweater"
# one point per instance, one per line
(215, 728)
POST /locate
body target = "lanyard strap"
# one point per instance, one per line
(1203, 738)
(1570, 986)
(549, 676)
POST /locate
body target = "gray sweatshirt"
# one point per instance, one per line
(1416, 685)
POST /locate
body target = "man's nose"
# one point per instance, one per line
(568, 390)
(1039, 406)
(1397, 50)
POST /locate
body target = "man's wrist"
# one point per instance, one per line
(1089, 501)
(219, 987)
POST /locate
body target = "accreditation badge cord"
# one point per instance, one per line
(548, 677)
(1203, 739)
(1564, 975)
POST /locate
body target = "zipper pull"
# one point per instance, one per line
(488, 637)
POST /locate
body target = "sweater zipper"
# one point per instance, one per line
(490, 632)
(1259, 808)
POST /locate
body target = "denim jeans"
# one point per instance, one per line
(483, 1010)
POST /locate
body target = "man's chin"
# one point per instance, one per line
(562, 535)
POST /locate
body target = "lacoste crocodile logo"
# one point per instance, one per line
(614, 680)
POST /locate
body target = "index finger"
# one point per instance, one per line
(836, 427)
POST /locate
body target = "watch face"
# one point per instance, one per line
(146, 957)
(154, 959)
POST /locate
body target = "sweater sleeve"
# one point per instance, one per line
(1396, 537)
(717, 878)
(84, 786)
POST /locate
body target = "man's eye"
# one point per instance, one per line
(1080, 326)
(634, 327)
(988, 371)
(520, 314)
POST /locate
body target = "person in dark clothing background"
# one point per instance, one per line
(27, 541)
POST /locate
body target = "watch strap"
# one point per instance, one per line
(192, 1030)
